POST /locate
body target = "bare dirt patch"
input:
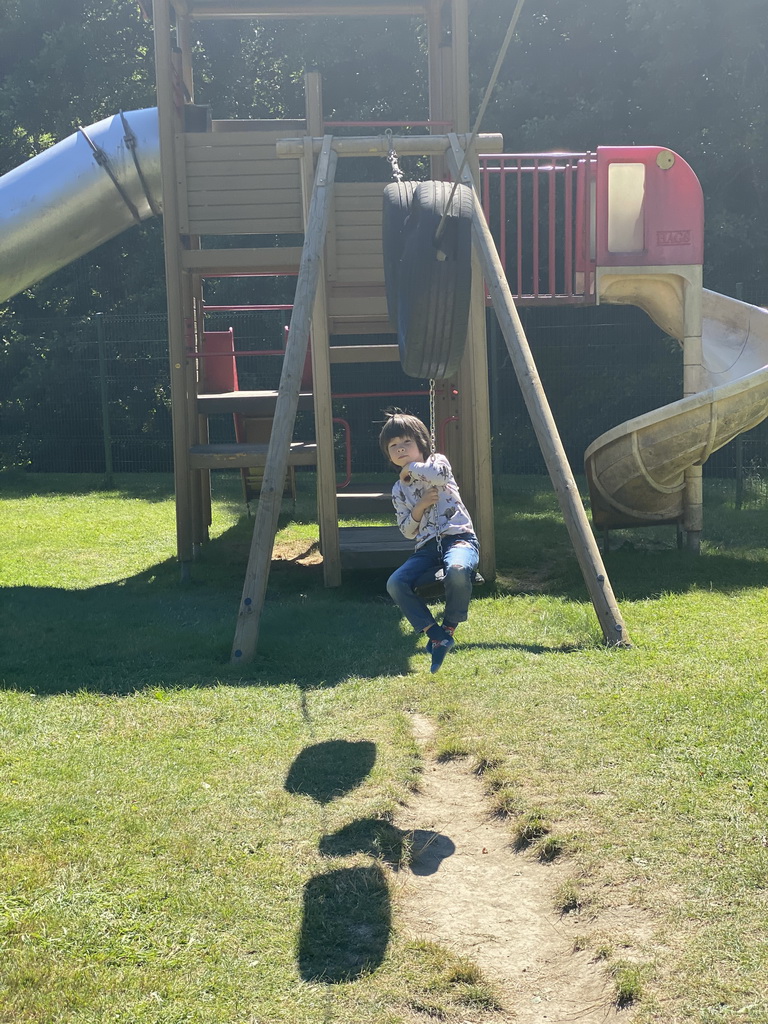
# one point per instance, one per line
(468, 889)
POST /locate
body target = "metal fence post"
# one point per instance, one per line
(105, 424)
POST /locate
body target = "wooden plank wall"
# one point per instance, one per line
(355, 255)
(354, 260)
(236, 185)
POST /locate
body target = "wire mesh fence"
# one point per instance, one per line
(92, 395)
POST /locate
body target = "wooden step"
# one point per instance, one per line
(373, 547)
(213, 262)
(354, 503)
(246, 403)
(236, 456)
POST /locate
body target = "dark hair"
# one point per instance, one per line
(403, 424)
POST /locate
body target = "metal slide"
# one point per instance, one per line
(76, 195)
(635, 471)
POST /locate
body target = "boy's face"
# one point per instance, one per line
(403, 450)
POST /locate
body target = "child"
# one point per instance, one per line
(429, 509)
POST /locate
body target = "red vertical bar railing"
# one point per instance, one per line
(519, 228)
(568, 280)
(548, 214)
(552, 215)
(535, 226)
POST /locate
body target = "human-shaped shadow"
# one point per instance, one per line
(428, 850)
(374, 836)
(346, 916)
(330, 769)
(345, 925)
(422, 850)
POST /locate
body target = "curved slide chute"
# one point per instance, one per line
(636, 471)
(76, 195)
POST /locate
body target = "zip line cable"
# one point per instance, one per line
(483, 108)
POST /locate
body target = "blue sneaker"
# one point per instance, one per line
(439, 650)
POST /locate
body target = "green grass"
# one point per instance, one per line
(184, 841)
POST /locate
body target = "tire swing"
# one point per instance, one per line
(427, 249)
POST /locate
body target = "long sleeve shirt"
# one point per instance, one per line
(448, 516)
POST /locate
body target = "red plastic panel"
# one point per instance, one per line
(650, 205)
(218, 372)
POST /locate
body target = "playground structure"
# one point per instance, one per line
(622, 225)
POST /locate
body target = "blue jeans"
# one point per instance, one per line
(459, 558)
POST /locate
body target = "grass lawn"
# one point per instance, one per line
(175, 832)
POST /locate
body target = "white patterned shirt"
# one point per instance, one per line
(448, 516)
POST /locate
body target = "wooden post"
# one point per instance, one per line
(582, 538)
(169, 122)
(268, 510)
(693, 501)
(327, 511)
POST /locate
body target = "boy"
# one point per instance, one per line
(429, 509)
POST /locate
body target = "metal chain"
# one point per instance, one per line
(432, 417)
(433, 516)
(397, 174)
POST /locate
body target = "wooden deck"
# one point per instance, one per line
(245, 403)
(373, 547)
(237, 456)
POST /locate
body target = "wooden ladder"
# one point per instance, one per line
(268, 509)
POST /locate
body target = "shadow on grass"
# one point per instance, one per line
(345, 926)
(325, 771)
(149, 632)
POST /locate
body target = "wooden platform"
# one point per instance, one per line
(373, 547)
(357, 503)
(237, 456)
(245, 403)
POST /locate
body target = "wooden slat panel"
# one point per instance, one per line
(248, 211)
(365, 275)
(252, 140)
(351, 231)
(231, 456)
(362, 188)
(218, 182)
(235, 152)
(249, 403)
(223, 261)
(212, 168)
(274, 199)
(364, 353)
(360, 308)
(246, 227)
(355, 203)
(365, 246)
(285, 128)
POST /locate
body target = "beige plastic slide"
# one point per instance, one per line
(635, 471)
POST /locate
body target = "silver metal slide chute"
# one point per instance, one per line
(77, 195)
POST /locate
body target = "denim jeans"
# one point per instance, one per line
(459, 558)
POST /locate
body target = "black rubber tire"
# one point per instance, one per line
(435, 281)
(397, 205)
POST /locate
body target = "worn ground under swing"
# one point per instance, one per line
(468, 889)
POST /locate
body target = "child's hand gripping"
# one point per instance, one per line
(427, 500)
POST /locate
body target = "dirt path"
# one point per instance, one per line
(469, 890)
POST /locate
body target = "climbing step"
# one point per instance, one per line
(373, 547)
(234, 456)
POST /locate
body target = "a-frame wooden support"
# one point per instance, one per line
(268, 511)
(583, 540)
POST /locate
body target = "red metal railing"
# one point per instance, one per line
(537, 208)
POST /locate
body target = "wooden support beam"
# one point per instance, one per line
(245, 456)
(327, 511)
(300, 8)
(577, 524)
(241, 262)
(405, 145)
(169, 121)
(268, 510)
